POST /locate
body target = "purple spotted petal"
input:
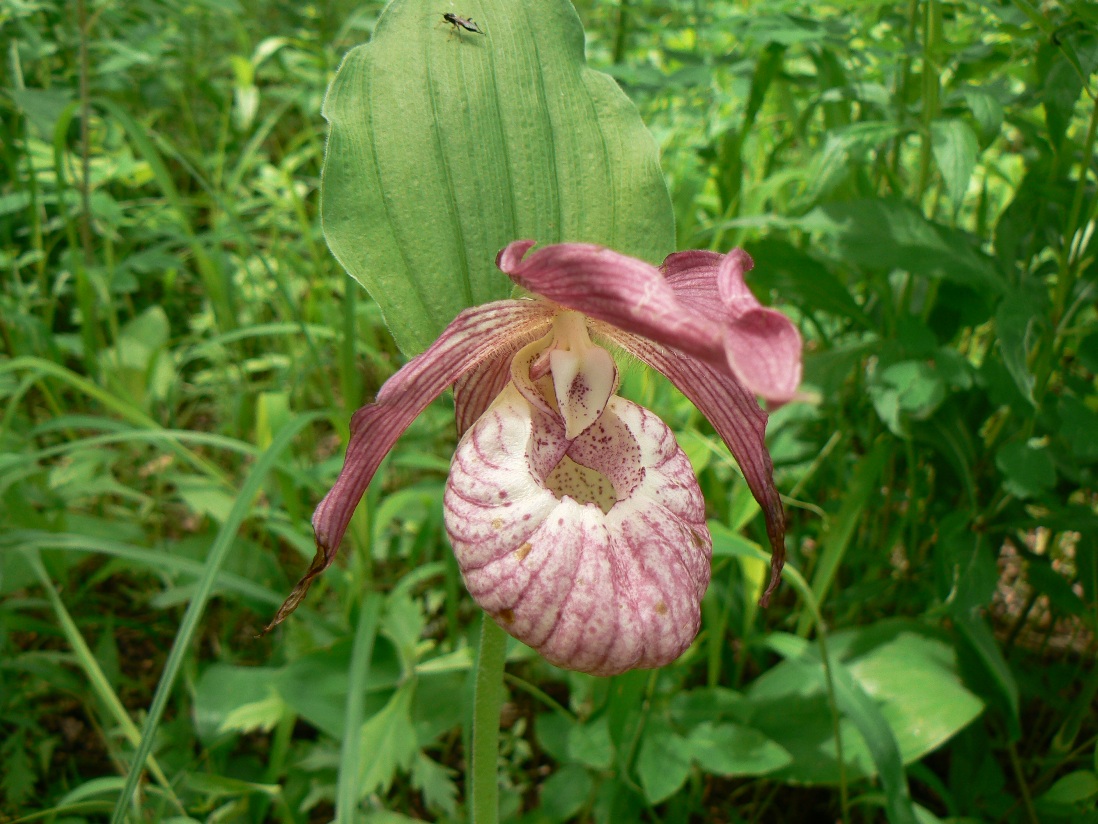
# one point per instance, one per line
(738, 420)
(475, 337)
(594, 551)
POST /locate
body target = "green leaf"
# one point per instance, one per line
(435, 782)
(388, 743)
(867, 719)
(844, 150)
(954, 145)
(987, 111)
(733, 749)
(403, 624)
(692, 707)
(948, 432)
(802, 280)
(1062, 86)
(863, 485)
(1087, 352)
(205, 497)
(1051, 583)
(909, 673)
(985, 661)
(1027, 470)
(17, 776)
(905, 391)
(1018, 322)
(1078, 425)
(552, 733)
(590, 744)
(1074, 789)
(565, 793)
(261, 715)
(42, 107)
(445, 148)
(663, 762)
(893, 234)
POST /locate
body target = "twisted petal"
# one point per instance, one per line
(475, 340)
(698, 304)
(592, 550)
(763, 346)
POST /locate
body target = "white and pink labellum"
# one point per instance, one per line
(575, 517)
(587, 544)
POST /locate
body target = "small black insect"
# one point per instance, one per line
(459, 22)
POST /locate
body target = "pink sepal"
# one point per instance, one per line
(477, 337)
(763, 346)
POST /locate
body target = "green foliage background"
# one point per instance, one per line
(180, 354)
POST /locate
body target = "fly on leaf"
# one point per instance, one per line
(459, 22)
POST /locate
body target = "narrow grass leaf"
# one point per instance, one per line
(350, 754)
(842, 527)
(96, 677)
(140, 556)
(990, 661)
(124, 410)
(251, 487)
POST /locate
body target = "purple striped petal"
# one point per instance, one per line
(475, 339)
(698, 304)
(617, 289)
(738, 420)
(594, 551)
(762, 345)
(475, 390)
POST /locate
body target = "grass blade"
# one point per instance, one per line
(253, 484)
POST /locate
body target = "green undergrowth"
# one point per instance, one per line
(180, 356)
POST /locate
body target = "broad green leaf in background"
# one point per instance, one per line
(388, 743)
(565, 792)
(1078, 423)
(1018, 322)
(1028, 469)
(986, 666)
(733, 749)
(590, 744)
(802, 279)
(909, 672)
(445, 146)
(987, 111)
(955, 148)
(663, 762)
(888, 234)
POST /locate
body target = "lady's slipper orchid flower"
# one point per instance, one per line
(575, 518)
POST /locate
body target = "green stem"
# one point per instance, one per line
(1023, 787)
(931, 37)
(836, 719)
(902, 88)
(1070, 255)
(487, 704)
(622, 30)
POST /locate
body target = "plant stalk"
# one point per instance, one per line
(487, 703)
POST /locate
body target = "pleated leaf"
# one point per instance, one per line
(447, 144)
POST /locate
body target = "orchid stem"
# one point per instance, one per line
(487, 703)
